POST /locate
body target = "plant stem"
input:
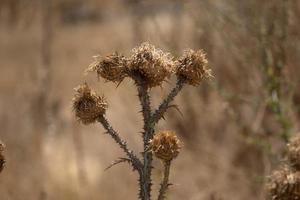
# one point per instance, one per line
(136, 163)
(165, 182)
(159, 113)
(150, 121)
(145, 180)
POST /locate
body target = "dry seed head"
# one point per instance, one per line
(88, 106)
(192, 67)
(2, 159)
(165, 145)
(293, 151)
(152, 64)
(284, 184)
(2, 147)
(111, 68)
(2, 162)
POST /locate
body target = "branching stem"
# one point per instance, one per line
(136, 163)
(159, 113)
(150, 120)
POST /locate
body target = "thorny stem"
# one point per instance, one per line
(135, 161)
(165, 182)
(159, 113)
(150, 121)
(145, 179)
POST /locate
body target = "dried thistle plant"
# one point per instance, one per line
(2, 159)
(293, 149)
(284, 183)
(148, 67)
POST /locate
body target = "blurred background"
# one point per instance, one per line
(234, 127)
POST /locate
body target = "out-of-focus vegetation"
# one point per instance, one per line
(234, 128)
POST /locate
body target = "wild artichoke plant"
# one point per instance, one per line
(148, 67)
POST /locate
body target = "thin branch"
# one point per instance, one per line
(165, 182)
(137, 164)
(159, 113)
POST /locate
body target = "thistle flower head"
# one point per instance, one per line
(152, 64)
(111, 68)
(165, 145)
(2, 159)
(284, 184)
(2, 147)
(192, 67)
(293, 149)
(88, 106)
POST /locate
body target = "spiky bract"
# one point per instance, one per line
(293, 150)
(284, 184)
(192, 67)
(165, 145)
(88, 106)
(111, 68)
(152, 64)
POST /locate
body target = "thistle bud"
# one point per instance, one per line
(165, 145)
(284, 184)
(293, 152)
(192, 67)
(152, 64)
(2, 159)
(111, 68)
(88, 106)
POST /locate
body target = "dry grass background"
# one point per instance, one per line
(231, 139)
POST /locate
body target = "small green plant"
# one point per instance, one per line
(148, 67)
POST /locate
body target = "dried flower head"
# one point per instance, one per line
(2, 159)
(284, 184)
(192, 67)
(165, 145)
(111, 68)
(88, 106)
(152, 64)
(2, 147)
(293, 149)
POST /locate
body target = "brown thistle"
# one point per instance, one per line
(192, 67)
(293, 152)
(148, 67)
(152, 64)
(88, 106)
(111, 68)
(284, 184)
(165, 145)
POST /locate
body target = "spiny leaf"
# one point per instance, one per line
(119, 83)
(118, 161)
(176, 108)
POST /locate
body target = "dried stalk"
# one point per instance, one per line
(159, 113)
(144, 98)
(136, 163)
(165, 182)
